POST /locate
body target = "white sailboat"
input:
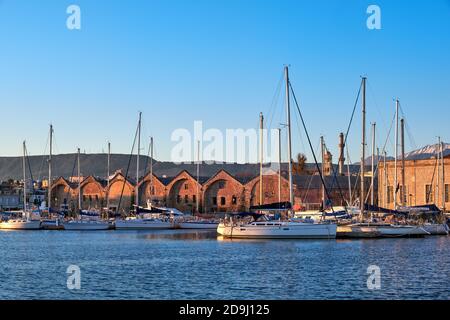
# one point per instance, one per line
(81, 223)
(260, 226)
(146, 218)
(25, 222)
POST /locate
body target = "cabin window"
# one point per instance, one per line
(214, 201)
(428, 193)
(186, 198)
(447, 192)
(194, 198)
(234, 200)
(222, 201)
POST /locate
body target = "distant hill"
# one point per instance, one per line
(96, 165)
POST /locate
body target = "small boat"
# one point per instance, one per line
(262, 228)
(20, 224)
(380, 230)
(134, 223)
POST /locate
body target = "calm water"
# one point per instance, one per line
(197, 265)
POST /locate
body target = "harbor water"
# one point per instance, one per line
(178, 264)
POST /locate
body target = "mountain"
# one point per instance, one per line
(428, 151)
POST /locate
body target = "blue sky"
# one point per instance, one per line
(219, 62)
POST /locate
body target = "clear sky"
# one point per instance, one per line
(220, 62)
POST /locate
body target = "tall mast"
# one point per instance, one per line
(279, 165)
(403, 193)
(109, 174)
(385, 180)
(438, 180)
(289, 147)
(137, 161)
(49, 205)
(396, 154)
(79, 180)
(151, 170)
(443, 175)
(261, 157)
(373, 165)
(197, 200)
(322, 147)
(363, 148)
(24, 178)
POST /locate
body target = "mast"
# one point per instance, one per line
(24, 178)
(151, 170)
(403, 193)
(197, 200)
(396, 154)
(279, 165)
(349, 177)
(289, 147)
(109, 174)
(49, 205)
(373, 165)
(137, 161)
(322, 147)
(385, 179)
(363, 148)
(261, 157)
(443, 175)
(79, 180)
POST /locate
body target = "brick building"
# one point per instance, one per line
(423, 183)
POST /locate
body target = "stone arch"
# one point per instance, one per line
(223, 193)
(182, 192)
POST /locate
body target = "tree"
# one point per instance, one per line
(298, 167)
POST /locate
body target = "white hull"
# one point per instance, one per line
(357, 231)
(142, 225)
(197, 225)
(401, 231)
(86, 225)
(436, 229)
(365, 230)
(21, 225)
(280, 230)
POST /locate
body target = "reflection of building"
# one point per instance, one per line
(220, 192)
(423, 183)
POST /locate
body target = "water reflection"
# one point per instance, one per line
(178, 235)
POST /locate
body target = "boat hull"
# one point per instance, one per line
(436, 229)
(142, 225)
(355, 231)
(51, 225)
(282, 231)
(86, 226)
(21, 225)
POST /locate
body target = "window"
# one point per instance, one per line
(234, 200)
(404, 194)
(214, 200)
(186, 186)
(152, 190)
(221, 184)
(178, 198)
(222, 201)
(186, 198)
(428, 193)
(194, 198)
(390, 194)
(447, 193)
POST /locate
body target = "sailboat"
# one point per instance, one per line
(260, 226)
(145, 218)
(84, 221)
(25, 222)
(363, 229)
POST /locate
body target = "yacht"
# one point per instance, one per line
(260, 227)
(197, 223)
(86, 225)
(24, 223)
(147, 218)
